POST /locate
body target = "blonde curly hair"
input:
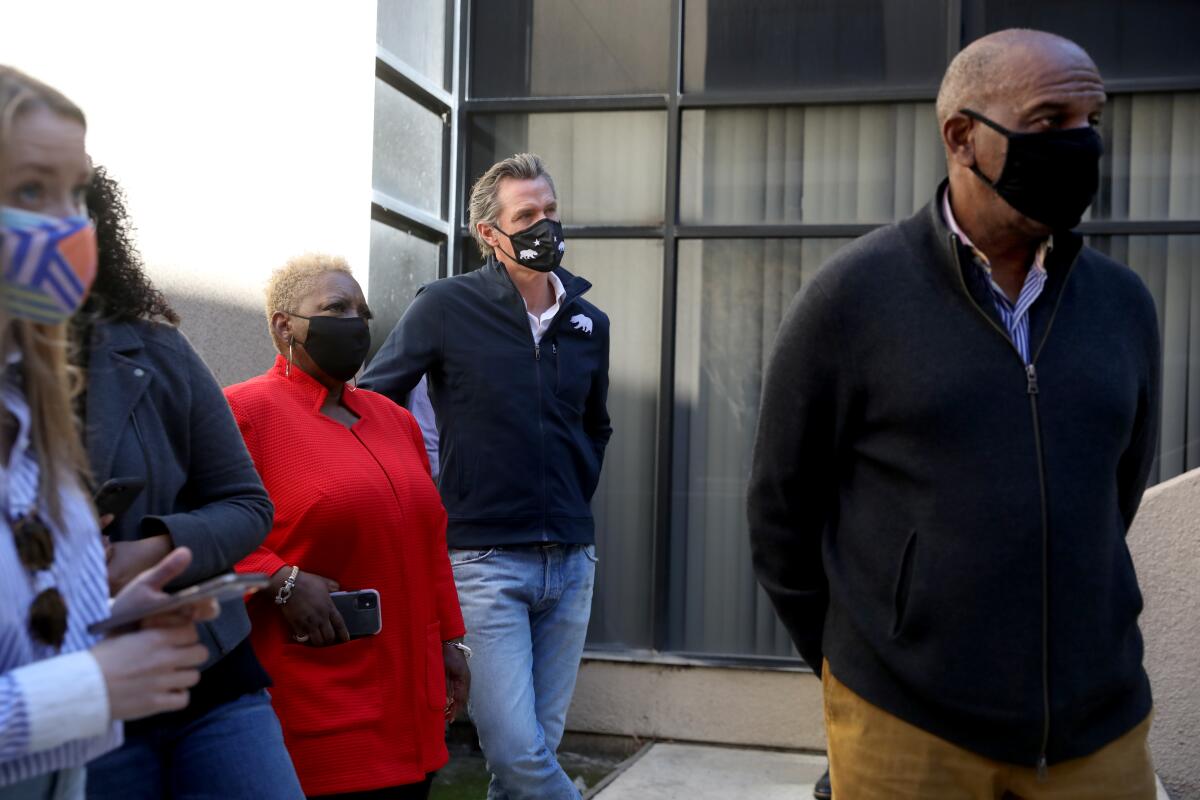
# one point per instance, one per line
(291, 282)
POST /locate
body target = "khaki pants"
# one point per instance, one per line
(874, 755)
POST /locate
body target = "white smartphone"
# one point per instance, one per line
(220, 588)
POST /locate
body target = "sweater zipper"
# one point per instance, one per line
(1031, 389)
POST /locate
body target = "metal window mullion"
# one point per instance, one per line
(457, 215)
(664, 455)
(809, 97)
(1139, 227)
(410, 214)
(450, 161)
(397, 73)
(531, 105)
(954, 29)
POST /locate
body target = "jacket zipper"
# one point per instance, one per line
(537, 367)
(1031, 389)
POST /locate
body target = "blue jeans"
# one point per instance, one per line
(526, 610)
(235, 750)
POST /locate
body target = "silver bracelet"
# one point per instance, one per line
(460, 647)
(285, 591)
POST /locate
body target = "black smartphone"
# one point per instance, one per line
(360, 611)
(220, 588)
(117, 495)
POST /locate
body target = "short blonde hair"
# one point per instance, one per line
(485, 194)
(291, 282)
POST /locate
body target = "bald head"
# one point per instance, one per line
(1003, 68)
(1021, 81)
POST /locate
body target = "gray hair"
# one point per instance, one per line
(484, 205)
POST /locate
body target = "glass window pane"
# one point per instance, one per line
(784, 44)
(1126, 38)
(843, 163)
(407, 150)
(1151, 165)
(626, 278)
(608, 166)
(415, 30)
(1170, 266)
(732, 295)
(400, 265)
(542, 48)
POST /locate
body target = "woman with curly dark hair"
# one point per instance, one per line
(154, 411)
(121, 291)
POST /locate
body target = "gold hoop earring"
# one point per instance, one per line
(288, 369)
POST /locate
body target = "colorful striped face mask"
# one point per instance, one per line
(47, 264)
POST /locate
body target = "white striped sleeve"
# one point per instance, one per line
(14, 720)
(64, 698)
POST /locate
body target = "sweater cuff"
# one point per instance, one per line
(66, 699)
(261, 560)
(184, 530)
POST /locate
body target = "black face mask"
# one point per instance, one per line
(539, 247)
(337, 345)
(1050, 176)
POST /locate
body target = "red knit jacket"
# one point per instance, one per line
(355, 505)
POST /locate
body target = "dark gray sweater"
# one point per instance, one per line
(944, 525)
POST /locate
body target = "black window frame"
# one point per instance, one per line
(674, 102)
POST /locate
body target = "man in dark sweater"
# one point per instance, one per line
(957, 425)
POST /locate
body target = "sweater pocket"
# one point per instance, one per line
(903, 586)
(435, 668)
(324, 690)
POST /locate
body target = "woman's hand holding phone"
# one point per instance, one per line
(148, 671)
(309, 612)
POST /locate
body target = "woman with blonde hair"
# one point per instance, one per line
(355, 510)
(62, 690)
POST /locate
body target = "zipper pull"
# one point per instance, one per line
(537, 352)
(1031, 375)
(554, 348)
(1042, 770)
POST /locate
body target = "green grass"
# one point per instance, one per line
(466, 776)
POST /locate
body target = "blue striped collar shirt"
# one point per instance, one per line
(54, 711)
(1015, 315)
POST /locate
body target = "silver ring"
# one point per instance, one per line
(300, 637)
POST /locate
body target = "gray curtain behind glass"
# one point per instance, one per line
(836, 164)
(873, 163)
(732, 295)
(1151, 170)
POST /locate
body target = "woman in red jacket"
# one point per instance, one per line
(355, 508)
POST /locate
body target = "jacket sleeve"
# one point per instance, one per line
(596, 421)
(262, 558)
(792, 490)
(232, 513)
(1133, 470)
(413, 346)
(441, 574)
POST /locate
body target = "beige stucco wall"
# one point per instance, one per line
(1165, 541)
(762, 708)
(240, 130)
